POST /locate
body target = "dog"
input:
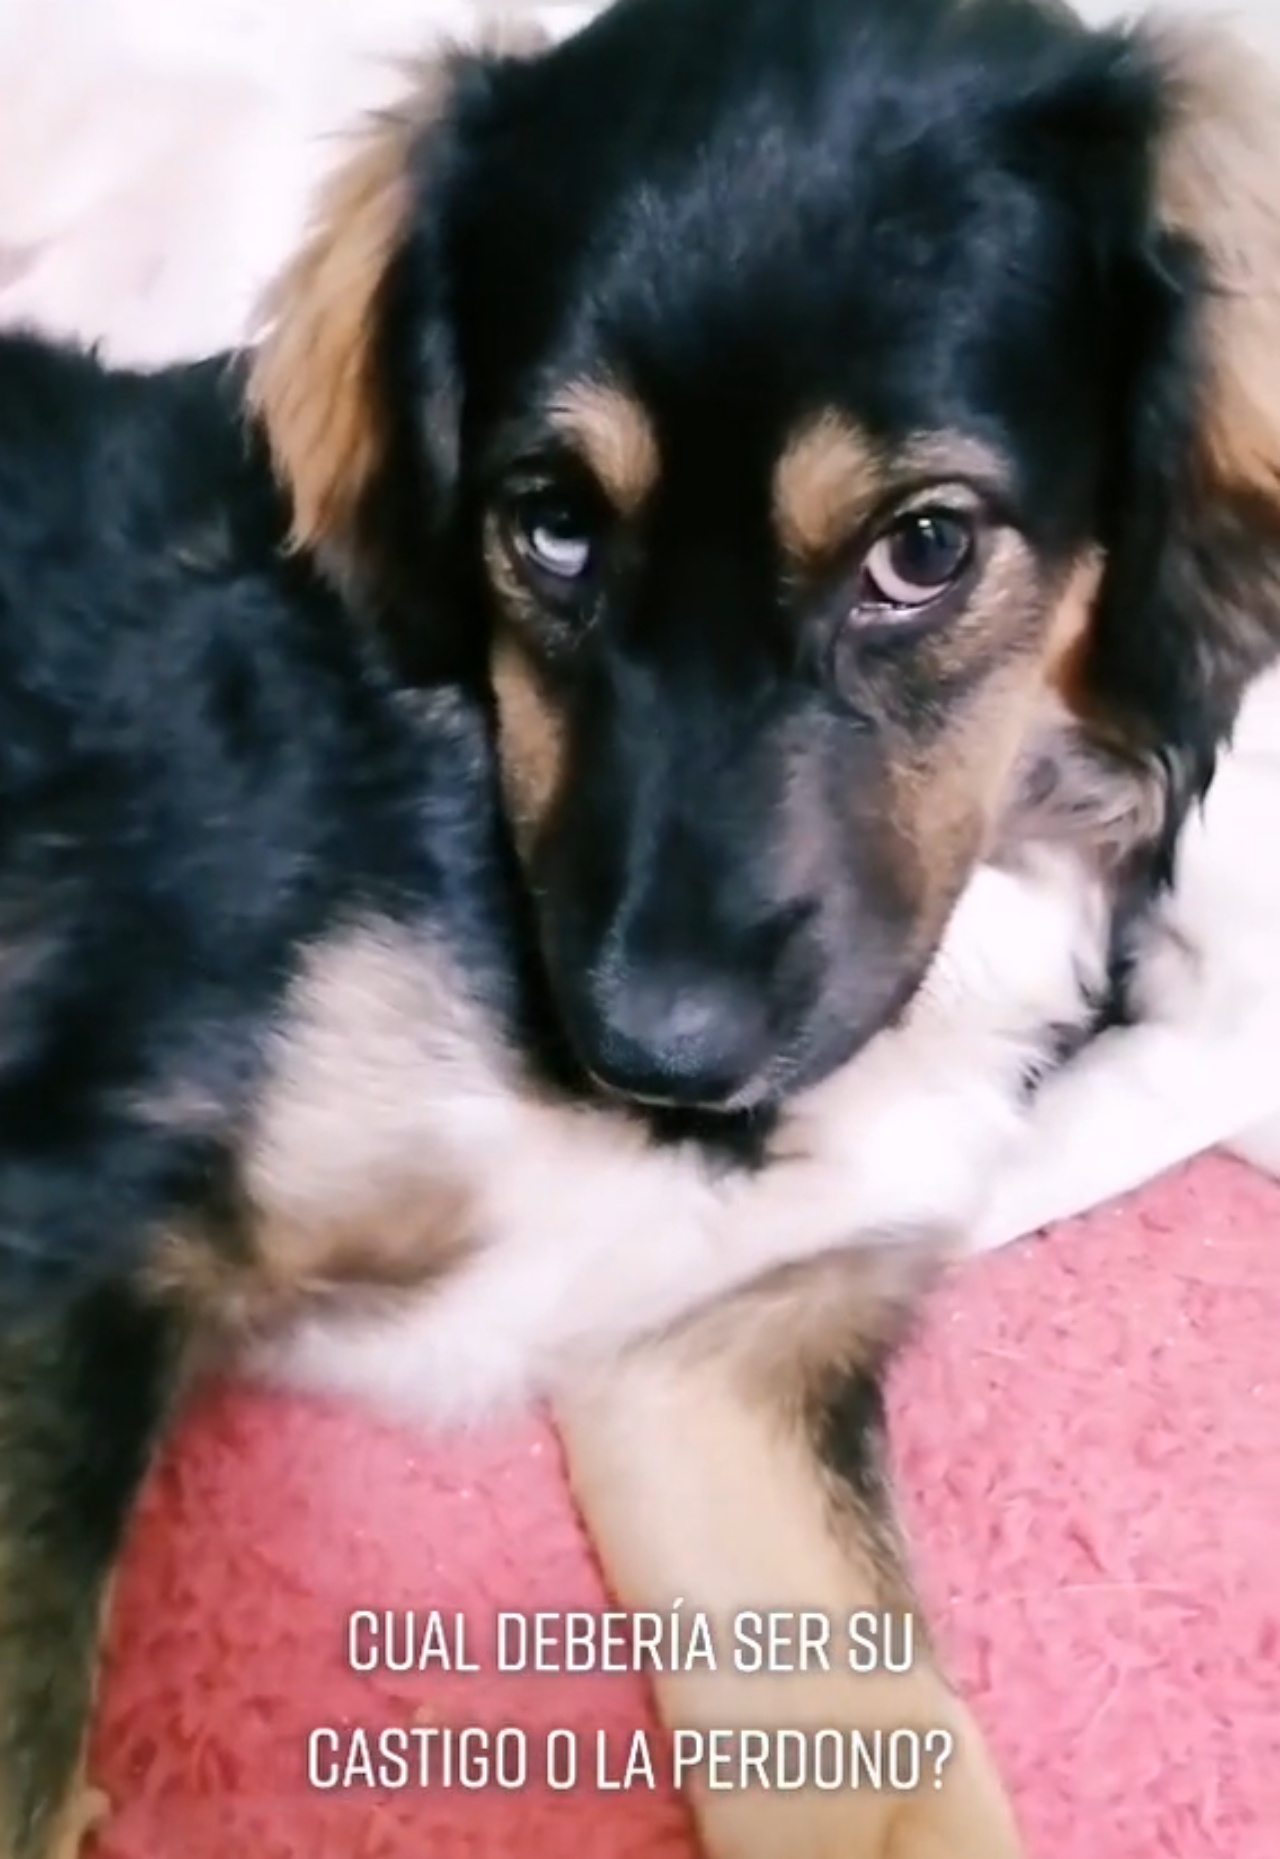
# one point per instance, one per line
(497, 783)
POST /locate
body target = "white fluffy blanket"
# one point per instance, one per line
(156, 160)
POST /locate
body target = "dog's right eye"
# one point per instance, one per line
(552, 537)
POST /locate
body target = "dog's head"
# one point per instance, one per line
(791, 405)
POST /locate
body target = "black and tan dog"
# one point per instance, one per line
(777, 414)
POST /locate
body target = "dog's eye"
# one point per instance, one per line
(917, 560)
(553, 537)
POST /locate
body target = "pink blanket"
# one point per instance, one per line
(1087, 1439)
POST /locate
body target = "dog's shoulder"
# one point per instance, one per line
(121, 493)
(145, 590)
(81, 440)
(209, 778)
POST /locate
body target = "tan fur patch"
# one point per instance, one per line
(1080, 779)
(946, 784)
(1073, 618)
(1218, 183)
(362, 1163)
(410, 1241)
(613, 433)
(83, 1815)
(1068, 665)
(1077, 789)
(698, 1470)
(950, 796)
(944, 798)
(531, 742)
(790, 1337)
(312, 380)
(831, 476)
(826, 480)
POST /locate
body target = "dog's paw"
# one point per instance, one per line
(820, 1828)
(81, 1818)
(966, 1816)
(936, 1793)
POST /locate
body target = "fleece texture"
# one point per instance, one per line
(1085, 1436)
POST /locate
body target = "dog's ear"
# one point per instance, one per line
(355, 377)
(1189, 609)
(316, 377)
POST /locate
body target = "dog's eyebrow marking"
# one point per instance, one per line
(826, 478)
(614, 434)
(831, 474)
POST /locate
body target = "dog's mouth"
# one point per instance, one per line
(760, 1093)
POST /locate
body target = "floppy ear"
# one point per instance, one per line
(355, 378)
(315, 378)
(1189, 611)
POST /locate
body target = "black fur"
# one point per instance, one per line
(204, 763)
(205, 766)
(84, 1391)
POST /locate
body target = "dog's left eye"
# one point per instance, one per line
(917, 560)
(553, 538)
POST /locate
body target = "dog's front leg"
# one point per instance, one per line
(83, 1390)
(734, 1466)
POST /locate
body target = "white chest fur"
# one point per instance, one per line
(590, 1239)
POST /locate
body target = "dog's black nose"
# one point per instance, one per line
(673, 1037)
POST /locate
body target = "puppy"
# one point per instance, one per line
(811, 399)
(274, 1046)
(784, 471)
